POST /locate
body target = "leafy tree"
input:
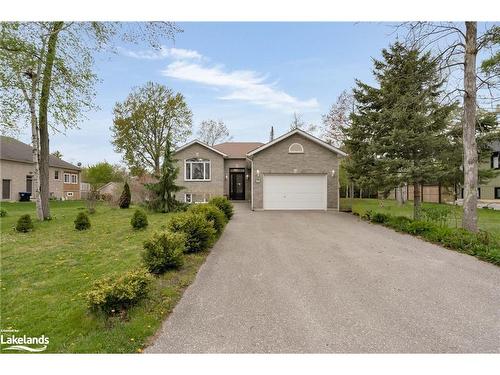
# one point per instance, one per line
(46, 78)
(101, 173)
(212, 132)
(458, 46)
(397, 131)
(337, 120)
(144, 122)
(165, 188)
(125, 197)
(299, 123)
(57, 154)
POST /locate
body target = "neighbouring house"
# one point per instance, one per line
(486, 192)
(296, 171)
(16, 172)
(138, 191)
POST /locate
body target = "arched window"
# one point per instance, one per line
(197, 170)
(295, 148)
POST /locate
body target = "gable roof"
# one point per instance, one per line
(237, 150)
(304, 134)
(14, 150)
(201, 144)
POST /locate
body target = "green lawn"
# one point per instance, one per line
(46, 273)
(489, 220)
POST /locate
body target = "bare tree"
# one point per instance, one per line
(457, 47)
(337, 120)
(299, 123)
(212, 132)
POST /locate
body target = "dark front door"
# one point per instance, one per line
(5, 189)
(237, 185)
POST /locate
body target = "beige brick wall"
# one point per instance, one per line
(201, 189)
(237, 163)
(315, 159)
(17, 172)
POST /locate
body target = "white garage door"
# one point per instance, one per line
(295, 192)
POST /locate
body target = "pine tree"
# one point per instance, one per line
(165, 188)
(271, 135)
(398, 128)
(125, 198)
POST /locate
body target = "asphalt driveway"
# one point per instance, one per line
(311, 282)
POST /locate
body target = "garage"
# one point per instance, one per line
(295, 191)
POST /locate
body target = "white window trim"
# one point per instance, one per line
(70, 178)
(69, 194)
(301, 151)
(190, 198)
(204, 161)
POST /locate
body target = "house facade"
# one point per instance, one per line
(16, 172)
(296, 171)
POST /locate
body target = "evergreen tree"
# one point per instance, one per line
(271, 134)
(398, 129)
(165, 188)
(125, 198)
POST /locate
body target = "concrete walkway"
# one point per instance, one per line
(307, 282)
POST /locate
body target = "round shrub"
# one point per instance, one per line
(223, 204)
(24, 224)
(113, 295)
(200, 232)
(125, 198)
(164, 251)
(3, 212)
(139, 220)
(82, 221)
(211, 213)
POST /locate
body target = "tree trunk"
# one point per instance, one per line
(416, 201)
(469, 220)
(43, 118)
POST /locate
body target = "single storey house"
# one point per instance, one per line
(296, 171)
(16, 172)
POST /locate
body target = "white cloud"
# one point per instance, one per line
(163, 53)
(242, 85)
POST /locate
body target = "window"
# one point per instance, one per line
(478, 194)
(495, 160)
(497, 193)
(188, 198)
(295, 148)
(197, 170)
(70, 178)
(69, 193)
(56, 175)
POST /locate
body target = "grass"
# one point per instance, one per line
(488, 220)
(46, 273)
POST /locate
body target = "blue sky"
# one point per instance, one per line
(250, 75)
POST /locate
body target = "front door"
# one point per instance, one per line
(5, 189)
(237, 185)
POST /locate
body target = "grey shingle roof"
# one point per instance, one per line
(14, 150)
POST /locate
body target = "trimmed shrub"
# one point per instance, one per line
(3, 212)
(164, 251)
(200, 232)
(139, 220)
(379, 218)
(24, 224)
(124, 201)
(211, 213)
(223, 204)
(82, 221)
(113, 295)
